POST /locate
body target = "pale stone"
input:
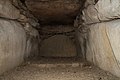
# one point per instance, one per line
(7, 10)
(103, 46)
(89, 2)
(103, 10)
(12, 44)
(75, 64)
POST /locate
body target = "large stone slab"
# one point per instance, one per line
(12, 44)
(58, 46)
(103, 46)
(101, 10)
(54, 11)
(7, 10)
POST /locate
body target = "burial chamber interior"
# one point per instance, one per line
(57, 30)
(53, 34)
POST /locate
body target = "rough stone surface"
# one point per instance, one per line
(54, 11)
(12, 44)
(100, 11)
(7, 10)
(58, 46)
(47, 31)
(16, 41)
(57, 28)
(102, 46)
(90, 2)
(33, 40)
(57, 69)
(81, 38)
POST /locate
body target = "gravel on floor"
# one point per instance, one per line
(32, 70)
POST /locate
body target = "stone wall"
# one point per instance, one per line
(12, 44)
(18, 36)
(47, 31)
(97, 34)
(57, 41)
(100, 42)
(58, 46)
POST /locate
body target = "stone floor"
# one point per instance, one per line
(57, 69)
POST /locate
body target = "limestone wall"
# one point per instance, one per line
(99, 43)
(18, 37)
(102, 46)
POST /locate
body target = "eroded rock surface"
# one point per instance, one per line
(18, 37)
(7, 10)
(58, 46)
(103, 46)
(32, 48)
(12, 44)
(100, 42)
(54, 11)
(101, 10)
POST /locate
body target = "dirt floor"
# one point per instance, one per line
(57, 69)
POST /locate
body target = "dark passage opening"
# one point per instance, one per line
(57, 30)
